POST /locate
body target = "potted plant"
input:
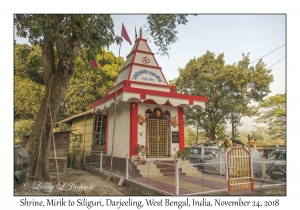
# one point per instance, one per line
(179, 154)
(137, 149)
(183, 154)
(143, 150)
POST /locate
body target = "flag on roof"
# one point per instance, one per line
(124, 34)
(94, 63)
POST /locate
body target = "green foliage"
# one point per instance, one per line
(89, 84)
(189, 137)
(272, 112)
(21, 128)
(182, 153)
(27, 98)
(61, 36)
(229, 88)
(235, 121)
(163, 29)
(94, 31)
(28, 81)
(28, 62)
(62, 127)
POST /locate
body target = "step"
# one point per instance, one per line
(160, 165)
(166, 170)
(173, 174)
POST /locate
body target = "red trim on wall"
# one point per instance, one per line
(129, 82)
(133, 128)
(158, 65)
(133, 58)
(147, 66)
(181, 128)
(149, 53)
(106, 98)
(191, 102)
(129, 89)
(138, 40)
(149, 101)
(151, 84)
(167, 94)
(107, 134)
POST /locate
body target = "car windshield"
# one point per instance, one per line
(212, 152)
(195, 151)
(277, 156)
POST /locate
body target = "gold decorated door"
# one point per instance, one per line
(157, 138)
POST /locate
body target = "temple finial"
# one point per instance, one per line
(141, 32)
(135, 33)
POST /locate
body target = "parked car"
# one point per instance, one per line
(200, 154)
(256, 163)
(213, 159)
(21, 164)
(276, 164)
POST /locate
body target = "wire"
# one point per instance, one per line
(267, 54)
(276, 62)
(163, 59)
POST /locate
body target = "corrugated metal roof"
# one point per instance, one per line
(75, 116)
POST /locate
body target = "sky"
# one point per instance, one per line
(260, 35)
(232, 35)
(228, 34)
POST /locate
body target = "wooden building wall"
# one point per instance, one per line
(81, 140)
(61, 140)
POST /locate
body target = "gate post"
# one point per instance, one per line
(176, 177)
(83, 157)
(251, 179)
(126, 176)
(227, 168)
(101, 161)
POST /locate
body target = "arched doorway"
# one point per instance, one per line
(157, 133)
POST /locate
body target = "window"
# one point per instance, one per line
(195, 151)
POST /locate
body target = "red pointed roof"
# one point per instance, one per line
(141, 66)
(141, 79)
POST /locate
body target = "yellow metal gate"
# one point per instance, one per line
(158, 138)
(239, 173)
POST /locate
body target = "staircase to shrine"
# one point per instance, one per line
(165, 168)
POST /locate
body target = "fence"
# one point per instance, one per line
(183, 178)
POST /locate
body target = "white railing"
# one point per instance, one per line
(178, 177)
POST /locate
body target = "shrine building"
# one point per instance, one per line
(148, 111)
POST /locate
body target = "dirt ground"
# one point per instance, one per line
(85, 183)
(76, 182)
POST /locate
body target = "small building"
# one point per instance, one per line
(85, 137)
(143, 109)
(58, 155)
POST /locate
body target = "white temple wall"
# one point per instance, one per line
(122, 131)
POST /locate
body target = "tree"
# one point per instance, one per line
(28, 82)
(22, 127)
(272, 112)
(229, 88)
(61, 37)
(163, 29)
(89, 84)
(235, 121)
(189, 137)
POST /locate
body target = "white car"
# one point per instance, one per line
(213, 160)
